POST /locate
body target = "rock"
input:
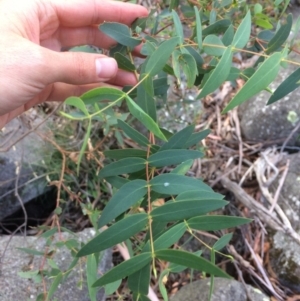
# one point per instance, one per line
(22, 166)
(284, 254)
(224, 290)
(13, 287)
(261, 123)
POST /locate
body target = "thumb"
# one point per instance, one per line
(81, 68)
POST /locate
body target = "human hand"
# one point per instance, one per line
(33, 32)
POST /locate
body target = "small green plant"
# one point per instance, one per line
(219, 30)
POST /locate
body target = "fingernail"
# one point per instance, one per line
(106, 67)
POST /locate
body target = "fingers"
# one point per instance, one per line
(74, 13)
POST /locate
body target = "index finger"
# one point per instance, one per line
(74, 13)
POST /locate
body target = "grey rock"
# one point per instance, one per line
(224, 290)
(13, 287)
(22, 167)
(270, 123)
(284, 255)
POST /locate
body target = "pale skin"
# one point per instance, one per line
(32, 67)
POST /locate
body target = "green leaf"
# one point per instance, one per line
(117, 182)
(191, 261)
(183, 168)
(222, 242)
(189, 68)
(281, 35)
(91, 275)
(145, 119)
(170, 237)
(161, 285)
(54, 285)
(160, 56)
(218, 75)
(124, 269)
(179, 139)
(172, 157)
(217, 28)
(120, 33)
(31, 251)
(174, 4)
(196, 138)
(242, 34)
(194, 195)
(291, 83)
(139, 281)
(216, 222)
(140, 22)
(128, 195)
(133, 134)
(115, 234)
(147, 82)
(173, 211)
(264, 75)
(123, 166)
(178, 26)
(171, 184)
(145, 100)
(102, 94)
(110, 288)
(139, 297)
(124, 63)
(125, 153)
(84, 144)
(198, 28)
(228, 36)
(77, 103)
(212, 45)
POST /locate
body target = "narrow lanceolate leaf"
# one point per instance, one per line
(179, 140)
(212, 45)
(102, 94)
(260, 80)
(216, 28)
(115, 234)
(91, 275)
(281, 35)
(183, 168)
(120, 33)
(124, 63)
(144, 118)
(160, 56)
(140, 280)
(77, 103)
(123, 166)
(191, 261)
(128, 195)
(124, 269)
(172, 211)
(242, 34)
(172, 184)
(196, 138)
(198, 28)
(125, 153)
(178, 26)
(145, 99)
(117, 181)
(189, 68)
(218, 75)
(133, 134)
(199, 195)
(291, 83)
(170, 237)
(222, 242)
(216, 222)
(172, 157)
(54, 285)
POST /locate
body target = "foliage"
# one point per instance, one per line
(219, 30)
